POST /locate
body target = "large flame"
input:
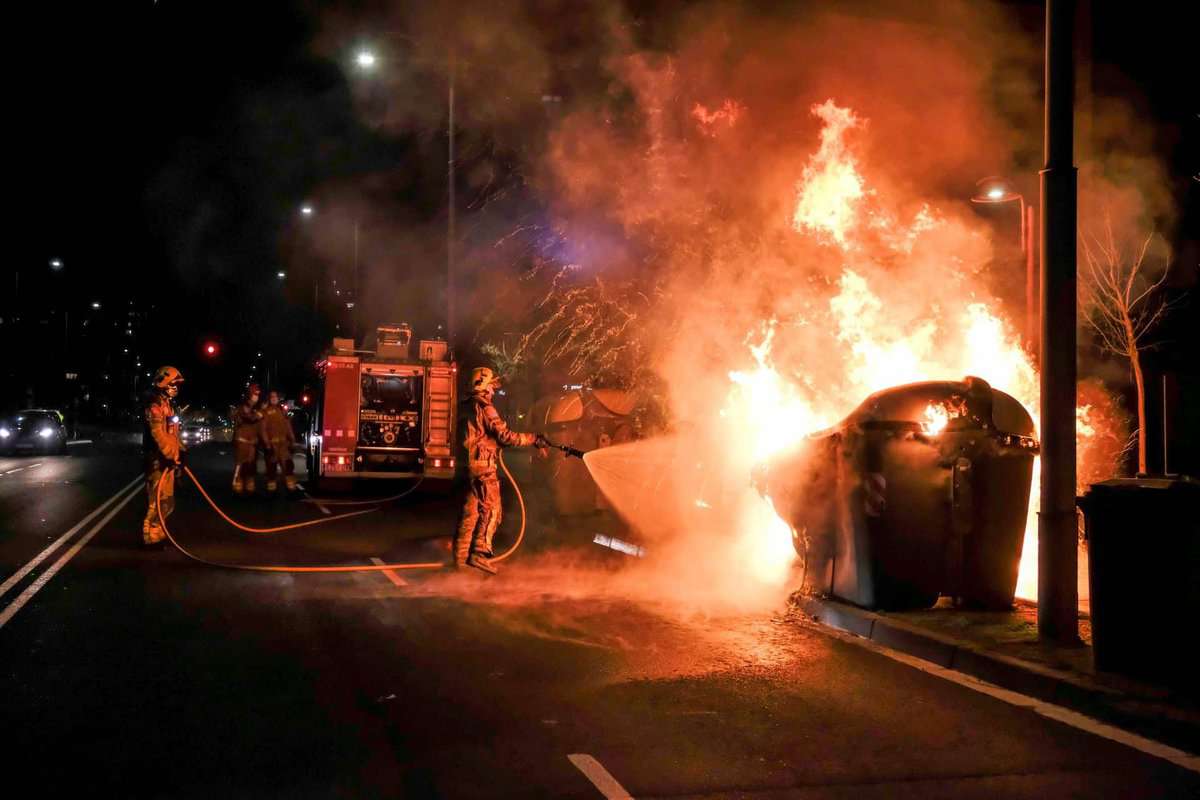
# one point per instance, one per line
(875, 346)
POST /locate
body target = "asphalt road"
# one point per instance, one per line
(139, 673)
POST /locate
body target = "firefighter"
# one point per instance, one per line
(246, 418)
(163, 452)
(485, 433)
(276, 434)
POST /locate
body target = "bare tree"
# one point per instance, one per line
(1122, 305)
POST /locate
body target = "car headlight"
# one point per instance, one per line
(5, 433)
(46, 433)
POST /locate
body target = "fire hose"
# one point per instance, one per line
(298, 569)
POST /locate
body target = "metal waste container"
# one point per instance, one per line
(1143, 540)
(922, 490)
(585, 419)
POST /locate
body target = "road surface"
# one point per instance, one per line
(140, 673)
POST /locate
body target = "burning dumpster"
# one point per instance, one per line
(922, 490)
(585, 419)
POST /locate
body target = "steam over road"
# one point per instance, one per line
(133, 673)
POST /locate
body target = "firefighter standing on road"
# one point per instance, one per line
(276, 433)
(245, 441)
(162, 451)
(485, 434)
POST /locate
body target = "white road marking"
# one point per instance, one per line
(324, 510)
(391, 574)
(595, 772)
(33, 588)
(74, 442)
(40, 557)
(11, 471)
(1041, 707)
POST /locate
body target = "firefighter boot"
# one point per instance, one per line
(481, 546)
(481, 563)
(271, 486)
(237, 479)
(250, 485)
(290, 482)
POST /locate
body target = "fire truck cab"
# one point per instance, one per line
(384, 413)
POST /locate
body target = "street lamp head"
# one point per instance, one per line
(994, 190)
(365, 59)
(306, 210)
(95, 305)
(56, 264)
(281, 274)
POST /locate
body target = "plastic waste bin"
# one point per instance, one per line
(922, 490)
(1143, 540)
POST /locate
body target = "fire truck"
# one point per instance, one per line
(386, 413)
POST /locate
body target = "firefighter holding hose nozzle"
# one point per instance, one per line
(246, 418)
(163, 452)
(485, 434)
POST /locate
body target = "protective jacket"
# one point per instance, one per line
(485, 433)
(160, 430)
(245, 425)
(275, 427)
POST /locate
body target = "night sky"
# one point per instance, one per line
(163, 150)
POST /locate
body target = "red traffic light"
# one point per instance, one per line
(304, 399)
(210, 349)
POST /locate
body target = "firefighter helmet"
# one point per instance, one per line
(483, 379)
(167, 376)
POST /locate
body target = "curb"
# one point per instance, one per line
(1034, 680)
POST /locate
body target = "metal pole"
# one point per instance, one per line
(1057, 522)
(450, 216)
(1031, 298)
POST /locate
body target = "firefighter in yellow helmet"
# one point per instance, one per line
(162, 450)
(246, 435)
(485, 433)
(276, 432)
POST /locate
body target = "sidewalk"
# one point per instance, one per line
(1002, 648)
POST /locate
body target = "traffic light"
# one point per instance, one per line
(210, 349)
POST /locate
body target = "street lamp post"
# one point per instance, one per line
(367, 61)
(994, 190)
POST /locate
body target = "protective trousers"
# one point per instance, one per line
(152, 531)
(279, 454)
(480, 518)
(245, 465)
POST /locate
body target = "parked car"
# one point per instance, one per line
(34, 430)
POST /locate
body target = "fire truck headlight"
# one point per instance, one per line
(46, 433)
(5, 433)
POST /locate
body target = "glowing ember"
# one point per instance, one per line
(937, 416)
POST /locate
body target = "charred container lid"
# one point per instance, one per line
(931, 408)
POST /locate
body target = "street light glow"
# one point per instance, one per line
(365, 59)
(56, 263)
(95, 305)
(281, 274)
(306, 210)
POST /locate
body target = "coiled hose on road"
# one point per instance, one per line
(300, 569)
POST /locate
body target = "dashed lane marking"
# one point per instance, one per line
(17, 576)
(391, 574)
(1041, 707)
(595, 772)
(74, 442)
(33, 588)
